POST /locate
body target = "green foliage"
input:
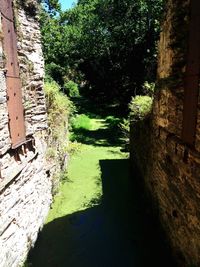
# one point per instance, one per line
(54, 71)
(51, 6)
(114, 127)
(117, 45)
(81, 121)
(72, 89)
(79, 124)
(58, 105)
(140, 107)
(74, 147)
(110, 45)
(82, 186)
(149, 88)
(27, 264)
(59, 108)
(125, 129)
(112, 121)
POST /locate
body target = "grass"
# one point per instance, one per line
(96, 131)
(81, 121)
(98, 218)
(84, 176)
(81, 190)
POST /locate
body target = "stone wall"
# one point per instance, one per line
(25, 183)
(171, 169)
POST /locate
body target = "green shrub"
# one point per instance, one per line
(81, 122)
(149, 88)
(113, 125)
(125, 129)
(113, 121)
(59, 108)
(72, 89)
(57, 102)
(140, 107)
(54, 72)
(27, 264)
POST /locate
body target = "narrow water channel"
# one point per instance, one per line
(99, 218)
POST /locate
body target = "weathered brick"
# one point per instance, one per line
(172, 169)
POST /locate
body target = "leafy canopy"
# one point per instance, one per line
(110, 46)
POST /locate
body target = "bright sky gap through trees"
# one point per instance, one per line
(66, 4)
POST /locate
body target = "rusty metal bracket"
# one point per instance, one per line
(13, 82)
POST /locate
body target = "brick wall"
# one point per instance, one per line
(171, 169)
(25, 183)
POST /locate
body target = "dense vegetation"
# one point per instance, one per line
(107, 47)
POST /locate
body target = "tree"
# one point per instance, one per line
(111, 43)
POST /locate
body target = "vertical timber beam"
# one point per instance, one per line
(191, 90)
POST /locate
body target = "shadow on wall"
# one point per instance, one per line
(118, 232)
